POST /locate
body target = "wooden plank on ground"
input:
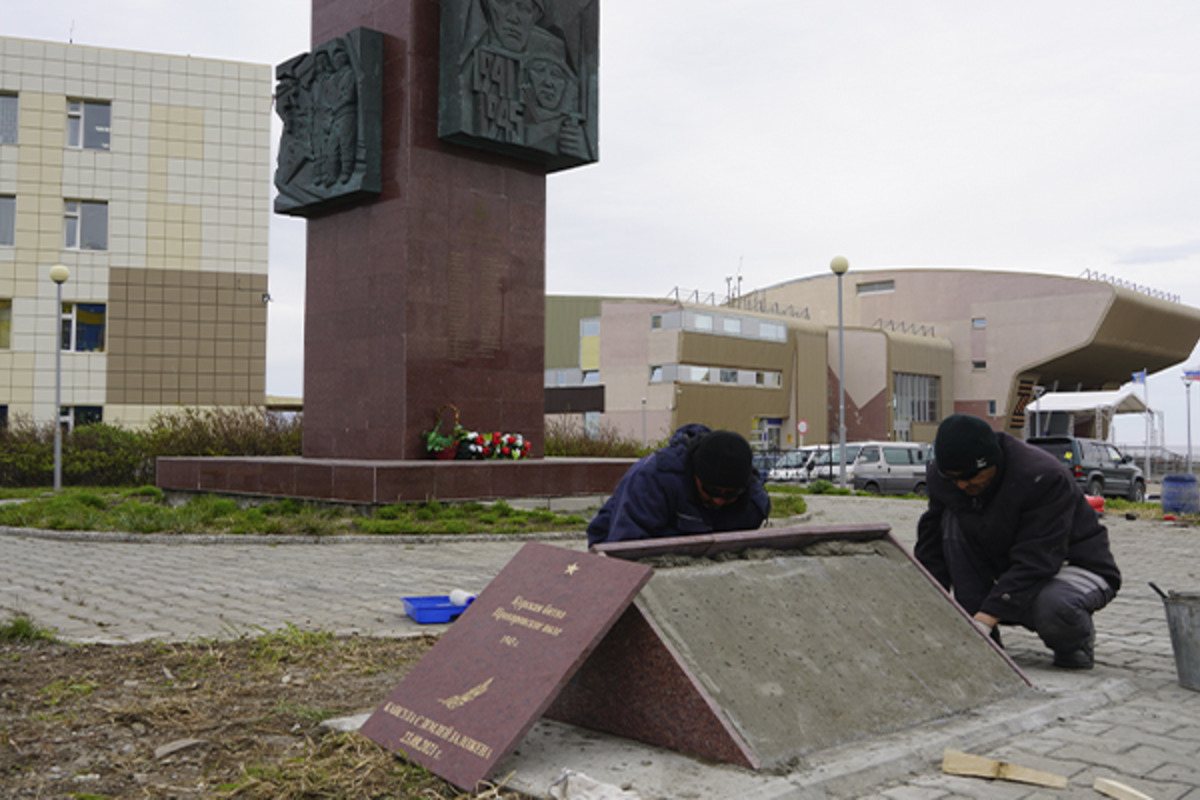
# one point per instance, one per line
(956, 762)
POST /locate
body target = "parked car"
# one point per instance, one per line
(826, 464)
(792, 466)
(1098, 466)
(892, 467)
(764, 463)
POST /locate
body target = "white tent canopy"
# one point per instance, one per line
(1099, 407)
(1120, 401)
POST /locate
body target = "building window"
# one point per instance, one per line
(656, 374)
(591, 424)
(773, 380)
(85, 225)
(991, 408)
(591, 377)
(978, 322)
(731, 325)
(3, 417)
(876, 287)
(88, 124)
(5, 324)
(729, 376)
(694, 374)
(915, 397)
(656, 322)
(589, 327)
(8, 220)
(83, 327)
(8, 119)
(978, 365)
(772, 331)
(73, 416)
(702, 322)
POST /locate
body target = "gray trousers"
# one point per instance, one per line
(1061, 614)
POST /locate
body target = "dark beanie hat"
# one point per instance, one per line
(723, 459)
(965, 444)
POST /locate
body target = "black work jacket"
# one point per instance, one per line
(1031, 521)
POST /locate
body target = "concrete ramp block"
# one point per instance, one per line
(756, 648)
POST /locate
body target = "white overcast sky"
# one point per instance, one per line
(763, 137)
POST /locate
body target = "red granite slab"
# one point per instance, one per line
(476, 694)
(635, 685)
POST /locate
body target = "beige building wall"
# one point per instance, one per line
(186, 180)
(1007, 328)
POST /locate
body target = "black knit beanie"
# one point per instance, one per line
(965, 444)
(722, 459)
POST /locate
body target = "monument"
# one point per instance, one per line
(751, 648)
(416, 141)
(433, 292)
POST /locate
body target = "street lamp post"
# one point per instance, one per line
(59, 275)
(839, 265)
(643, 422)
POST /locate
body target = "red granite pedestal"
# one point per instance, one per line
(381, 481)
(434, 292)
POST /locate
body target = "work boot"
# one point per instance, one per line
(1083, 658)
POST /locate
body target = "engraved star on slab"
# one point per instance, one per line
(572, 569)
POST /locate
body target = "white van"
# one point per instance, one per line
(892, 467)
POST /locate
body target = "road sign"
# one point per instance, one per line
(802, 427)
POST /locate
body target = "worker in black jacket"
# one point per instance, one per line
(1011, 533)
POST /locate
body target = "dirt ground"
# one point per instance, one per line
(203, 720)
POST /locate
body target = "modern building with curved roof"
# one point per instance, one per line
(1010, 332)
(921, 344)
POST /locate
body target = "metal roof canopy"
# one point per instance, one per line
(1121, 401)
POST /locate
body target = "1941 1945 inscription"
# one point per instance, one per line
(519, 77)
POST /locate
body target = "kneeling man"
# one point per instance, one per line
(1010, 532)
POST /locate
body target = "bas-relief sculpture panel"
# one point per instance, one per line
(330, 102)
(519, 77)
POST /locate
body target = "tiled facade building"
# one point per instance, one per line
(148, 177)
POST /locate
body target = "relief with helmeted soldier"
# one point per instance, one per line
(520, 77)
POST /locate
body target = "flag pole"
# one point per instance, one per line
(1146, 400)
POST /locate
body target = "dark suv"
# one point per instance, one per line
(1098, 466)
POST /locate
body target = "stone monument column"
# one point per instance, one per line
(433, 291)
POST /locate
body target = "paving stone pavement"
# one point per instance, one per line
(1145, 732)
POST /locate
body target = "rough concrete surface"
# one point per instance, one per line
(1128, 719)
(808, 652)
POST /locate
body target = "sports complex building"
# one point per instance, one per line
(920, 344)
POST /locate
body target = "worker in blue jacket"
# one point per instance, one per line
(703, 481)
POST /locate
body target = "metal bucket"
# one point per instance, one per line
(1183, 618)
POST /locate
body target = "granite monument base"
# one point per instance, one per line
(372, 481)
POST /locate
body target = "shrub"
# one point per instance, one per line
(565, 436)
(26, 453)
(106, 455)
(239, 431)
